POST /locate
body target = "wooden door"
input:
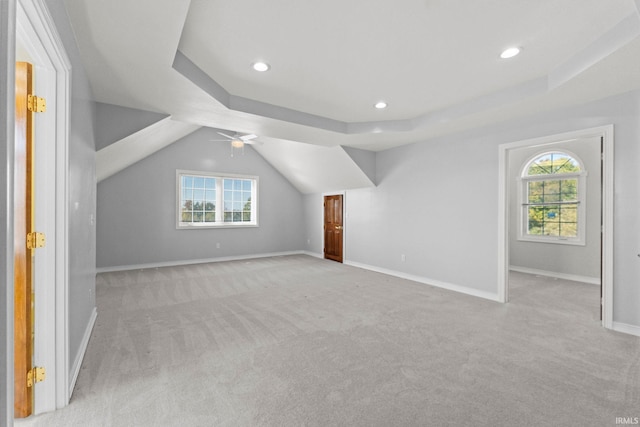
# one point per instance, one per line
(23, 224)
(333, 227)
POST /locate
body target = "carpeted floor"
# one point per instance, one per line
(299, 341)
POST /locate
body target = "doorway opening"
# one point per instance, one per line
(600, 239)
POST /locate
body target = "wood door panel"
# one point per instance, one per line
(23, 327)
(333, 227)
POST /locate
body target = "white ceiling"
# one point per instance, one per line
(436, 62)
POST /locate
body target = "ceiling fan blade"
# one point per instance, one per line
(254, 142)
(246, 138)
(225, 135)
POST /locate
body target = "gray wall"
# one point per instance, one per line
(137, 208)
(7, 108)
(114, 123)
(82, 189)
(437, 203)
(559, 258)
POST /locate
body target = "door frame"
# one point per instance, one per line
(344, 221)
(36, 32)
(505, 187)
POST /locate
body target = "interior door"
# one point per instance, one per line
(333, 227)
(23, 224)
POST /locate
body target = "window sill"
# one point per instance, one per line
(553, 240)
(210, 226)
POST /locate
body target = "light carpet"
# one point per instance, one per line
(300, 341)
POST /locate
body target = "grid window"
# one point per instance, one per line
(237, 200)
(198, 199)
(553, 198)
(208, 200)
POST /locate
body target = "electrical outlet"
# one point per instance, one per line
(218, 245)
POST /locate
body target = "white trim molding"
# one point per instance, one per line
(425, 280)
(626, 328)
(193, 261)
(51, 55)
(313, 254)
(556, 275)
(77, 363)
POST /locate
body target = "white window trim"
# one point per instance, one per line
(580, 239)
(219, 201)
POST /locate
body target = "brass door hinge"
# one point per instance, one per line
(36, 104)
(35, 375)
(35, 240)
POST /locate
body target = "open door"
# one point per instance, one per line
(25, 241)
(333, 227)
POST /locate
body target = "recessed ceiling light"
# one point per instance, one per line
(510, 52)
(380, 105)
(261, 66)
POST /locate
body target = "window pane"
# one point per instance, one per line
(553, 163)
(198, 182)
(237, 216)
(187, 216)
(246, 216)
(187, 181)
(536, 192)
(228, 184)
(228, 217)
(569, 230)
(210, 217)
(237, 184)
(569, 213)
(209, 206)
(197, 217)
(210, 183)
(246, 185)
(553, 220)
(569, 190)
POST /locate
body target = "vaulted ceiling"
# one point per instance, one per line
(436, 63)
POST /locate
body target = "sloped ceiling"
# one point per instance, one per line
(305, 165)
(436, 63)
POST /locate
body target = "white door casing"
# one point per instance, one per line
(38, 42)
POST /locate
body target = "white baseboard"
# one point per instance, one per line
(427, 281)
(193, 261)
(564, 276)
(626, 328)
(77, 363)
(313, 254)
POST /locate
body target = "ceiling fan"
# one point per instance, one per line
(237, 140)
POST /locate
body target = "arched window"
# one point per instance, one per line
(552, 196)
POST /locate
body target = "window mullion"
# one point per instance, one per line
(219, 199)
